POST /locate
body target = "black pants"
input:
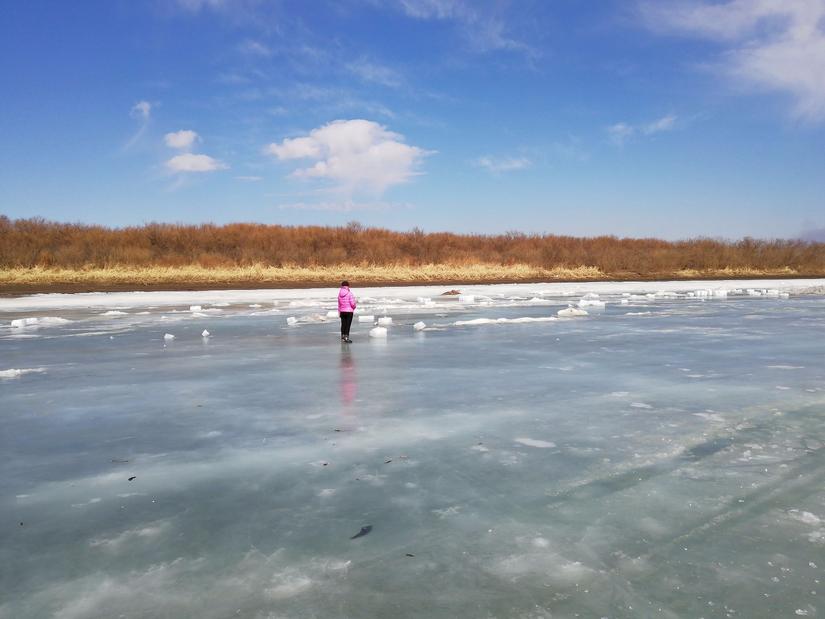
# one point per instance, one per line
(346, 321)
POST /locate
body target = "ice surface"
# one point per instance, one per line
(366, 318)
(332, 314)
(619, 466)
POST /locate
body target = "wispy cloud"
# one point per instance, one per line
(665, 123)
(484, 28)
(254, 48)
(774, 45)
(498, 165)
(249, 179)
(354, 155)
(620, 133)
(345, 206)
(142, 112)
(377, 73)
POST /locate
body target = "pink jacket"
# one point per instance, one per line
(346, 300)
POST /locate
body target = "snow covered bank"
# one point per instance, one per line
(412, 294)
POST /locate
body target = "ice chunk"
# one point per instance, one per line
(590, 296)
(420, 326)
(380, 332)
(45, 320)
(205, 333)
(369, 318)
(571, 311)
(532, 442)
(332, 314)
(625, 301)
(385, 321)
(114, 313)
(16, 373)
(291, 321)
(424, 300)
(591, 303)
(195, 308)
(466, 298)
(23, 322)
(168, 336)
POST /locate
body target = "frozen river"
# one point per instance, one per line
(661, 456)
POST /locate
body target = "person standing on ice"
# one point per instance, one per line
(346, 307)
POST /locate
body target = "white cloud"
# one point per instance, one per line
(497, 165)
(249, 179)
(355, 155)
(183, 139)
(141, 110)
(189, 162)
(775, 45)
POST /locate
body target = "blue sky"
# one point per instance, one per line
(670, 118)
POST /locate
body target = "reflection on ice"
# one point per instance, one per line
(662, 457)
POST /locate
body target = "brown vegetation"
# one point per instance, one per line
(37, 250)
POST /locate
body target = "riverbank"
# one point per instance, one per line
(17, 281)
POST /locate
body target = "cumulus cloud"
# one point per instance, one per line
(182, 140)
(189, 162)
(355, 155)
(620, 133)
(775, 45)
(497, 165)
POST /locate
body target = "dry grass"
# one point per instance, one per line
(38, 254)
(262, 275)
